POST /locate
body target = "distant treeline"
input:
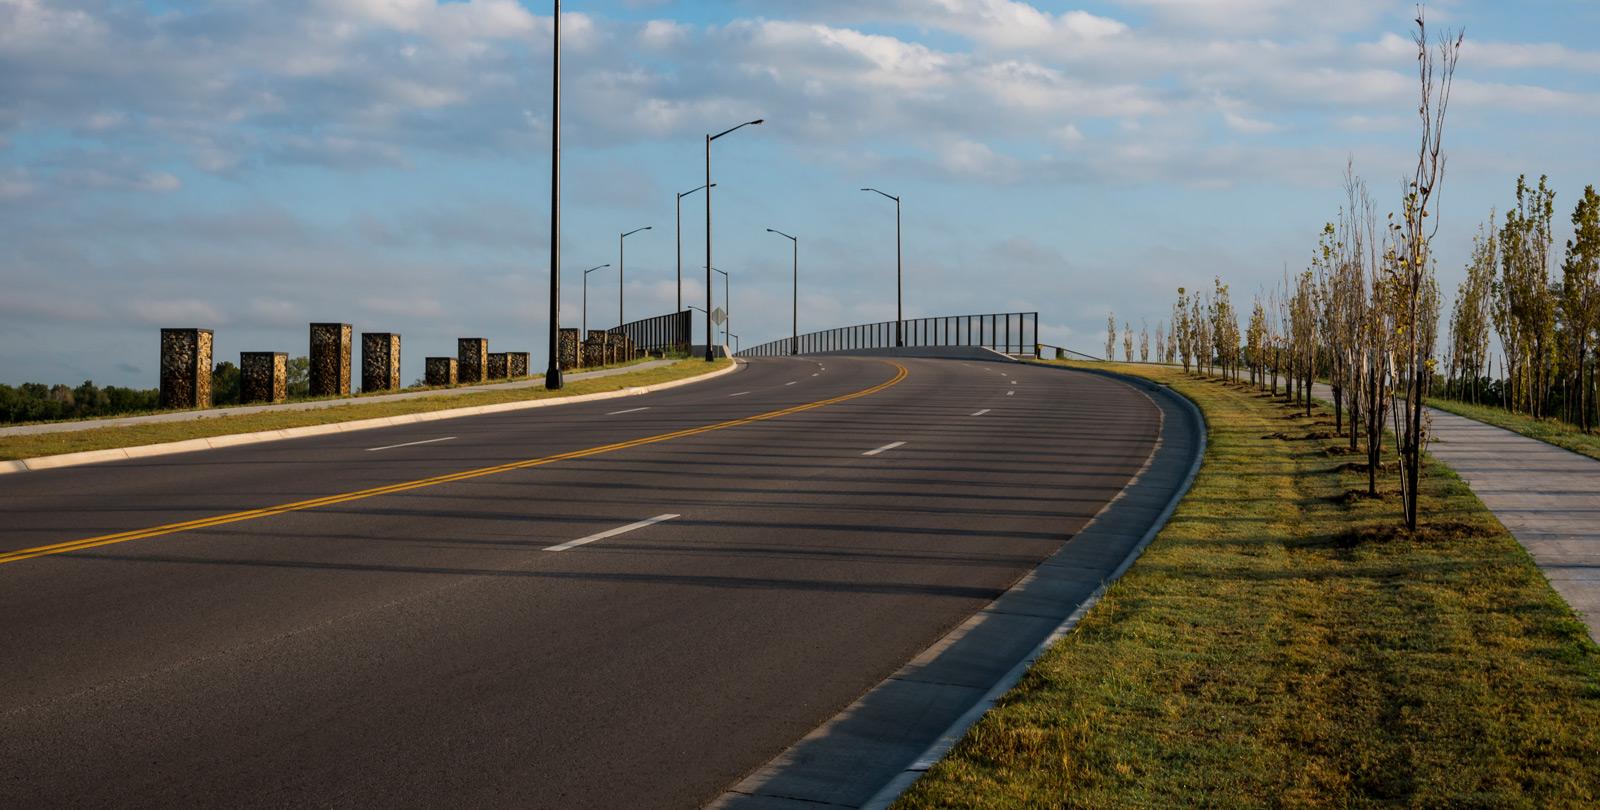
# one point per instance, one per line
(37, 402)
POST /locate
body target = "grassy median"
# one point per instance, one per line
(1282, 644)
(49, 444)
(1547, 430)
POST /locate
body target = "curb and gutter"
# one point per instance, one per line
(234, 440)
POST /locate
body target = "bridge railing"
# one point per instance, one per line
(1005, 332)
(662, 333)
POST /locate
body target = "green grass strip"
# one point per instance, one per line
(106, 438)
(1282, 644)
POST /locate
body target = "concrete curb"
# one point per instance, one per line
(233, 440)
(846, 762)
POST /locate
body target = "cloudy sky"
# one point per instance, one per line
(251, 166)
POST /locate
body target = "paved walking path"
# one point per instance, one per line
(1549, 499)
(184, 416)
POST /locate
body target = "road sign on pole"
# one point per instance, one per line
(718, 316)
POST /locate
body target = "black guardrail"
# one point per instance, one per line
(663, 333)
(1005, 332)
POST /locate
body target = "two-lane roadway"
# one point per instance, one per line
(615, 604)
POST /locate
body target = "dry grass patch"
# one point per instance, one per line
(1283, 644)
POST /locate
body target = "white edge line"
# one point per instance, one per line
(188, 445)
(982, 412)
(630, 410)
(610, 533)
(411, 444)
(890, 446)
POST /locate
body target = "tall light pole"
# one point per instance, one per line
(552, 375)
(620, 321)
(709, 139)
(794, 342)
(727, 314)
(680, 242)
(899, 309)
(586, 300)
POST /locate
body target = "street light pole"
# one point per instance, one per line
(709, 139)
(680, 243)
(586, 300)
(552, 375)
(794, 341)
(899, 309)
(727, 314)
(620, 254)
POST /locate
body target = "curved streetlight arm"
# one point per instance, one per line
(741, 126)
(592, 269)
(635, 230)
(899, 300)
(794, 337)
(693, 190)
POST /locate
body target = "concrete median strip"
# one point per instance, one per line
(192, 445)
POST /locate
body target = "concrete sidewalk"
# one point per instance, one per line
(1547, 497)
(209, 413)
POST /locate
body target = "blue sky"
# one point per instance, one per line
(252, 166)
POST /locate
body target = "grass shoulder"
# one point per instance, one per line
(1547, 430)
(1282, 643)
(106, 438)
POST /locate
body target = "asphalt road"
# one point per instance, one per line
(419, 646)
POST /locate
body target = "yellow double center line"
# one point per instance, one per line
(205, 523)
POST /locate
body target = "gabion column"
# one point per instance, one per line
(472, 356)
(594, 349)
(497, 366)
(380, 361)
(441, 371)
(516, 364)
(186, 368)
(330, 360)
(569, 356)
(263, 376)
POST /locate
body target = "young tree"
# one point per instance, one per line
(1161, 342)
(1580, 298)
(1111, 337)
(1144, 340)
(1410, 272)
(1127, 342)
(1181, 329)
(1469, 319)
(1524, 310)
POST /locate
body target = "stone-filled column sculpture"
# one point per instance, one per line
(516, 364)
(263, 376)
(186, 368)
(497, 366)
(330, 360)
(569, 356)
(472, 356)
(380, 361)
(441, 371)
